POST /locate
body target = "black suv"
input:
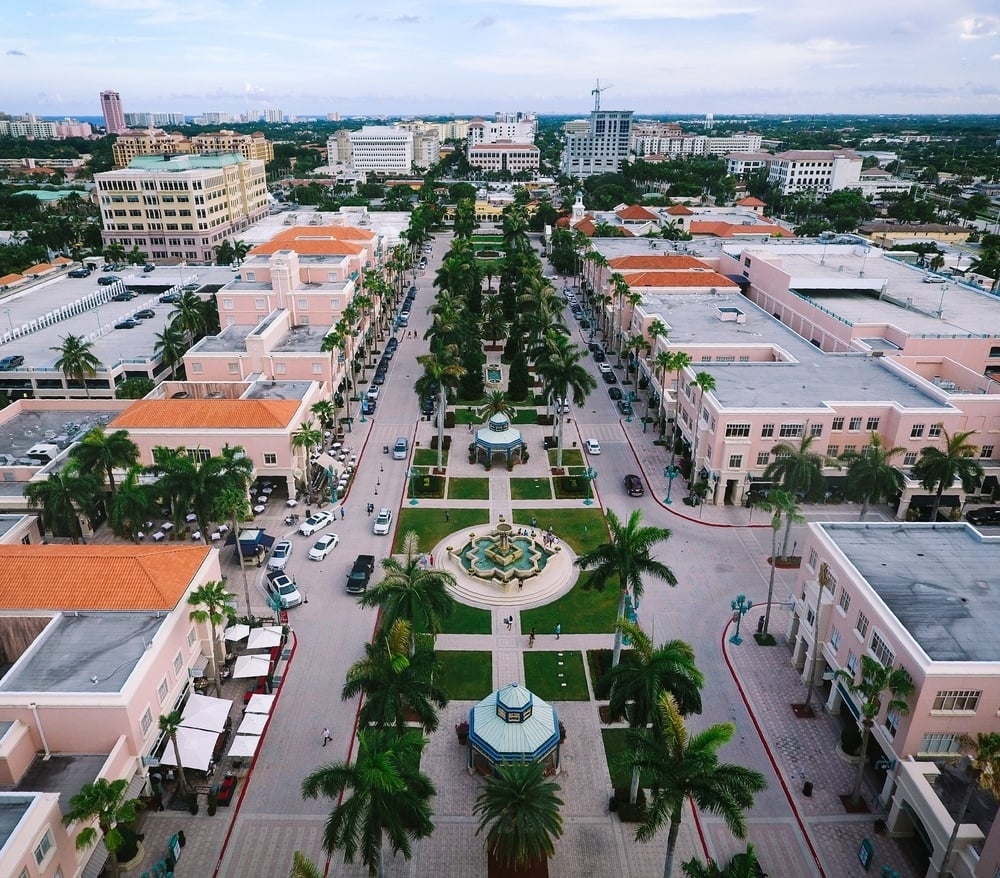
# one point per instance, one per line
(80, 272)
(633, 486)
(984, 515)
(361, 574)
(12, 361)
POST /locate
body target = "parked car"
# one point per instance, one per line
(124, 296)
(373, 392)
(609, 377)
(625, 407)
(144, 314)
(984, 515)
(315, 522)
(127, 323)
(323, 547)
(191, 288)
(170, 298)
(392, 344)
(594, 347)
(80, 272)
(368, 406)
(379, 377)
(615, 393)
(593, 446)
(383, 522)
(282, 587)
(148, 267)
(361, 574)
(401, 449)
(428, 406)
(603, 367)
(279, 555)
(599, 356)
(633, 486)
(11, 361)
(107, 280)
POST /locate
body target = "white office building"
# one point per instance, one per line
(602, 148)
(382, 149)
(820, 171)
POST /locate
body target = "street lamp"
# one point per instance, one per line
(413, 486)
(9, 320)
(741, 606)
(589, 474)
(670, 473)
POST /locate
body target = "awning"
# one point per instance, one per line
(261, 703)
(244, 746)
(264, 638)
(196, 748)
(253, 724)
(205, 712)
(252, 666)
(198, 669)
(237, 632)
(926, 501)
(990, 484)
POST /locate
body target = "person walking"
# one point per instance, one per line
(342, 513)
(447, 515)
(558, 629)
(531, 638)
(326, 736)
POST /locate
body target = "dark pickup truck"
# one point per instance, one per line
(361, 573)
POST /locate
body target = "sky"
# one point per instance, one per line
(477, 57)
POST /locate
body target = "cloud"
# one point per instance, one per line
(976, 27)
(16, 52)
(489, 21)
(408, 19)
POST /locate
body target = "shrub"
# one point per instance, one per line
(447, 439)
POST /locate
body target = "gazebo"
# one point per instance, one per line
(513, 725)
(499, 437)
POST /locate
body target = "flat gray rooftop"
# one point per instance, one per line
(939, 580)
(8, 522)
(12, 809)
(75, 648)
(48, 425)
(232, 339)
(815, 379)
(302, 339)
(60, 774)
(278, 390)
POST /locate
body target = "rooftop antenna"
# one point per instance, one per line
(596, 92)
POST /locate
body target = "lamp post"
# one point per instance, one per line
(589, 474)
(741, 606)
(670, 473)
(413, 486)
(9, 320)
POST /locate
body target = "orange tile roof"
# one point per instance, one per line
(207, 414)
(678, 279)
(732, 230)
(97, 577)
(41, 268)
(62, 260)
(663, 261)
(680, 210)
(636, 212)
(317, 241)
(750, 201)
(587, 226)
(10, 279)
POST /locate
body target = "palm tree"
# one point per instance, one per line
(742, 865)
(326, 412)
(982, 772)
(189, 315)
(874, 681)
(519, 809)
(870, 476)
(132, 506)
(683, 766)
(410, 591)
(115, 252)
(564, 375)
(63, 497)
(443, 368)
(213, 604)
(103, 453)
(679, 361)
(645, 672)
(782, 505)
(303, 867)
(937, 469)
(394, 683)
(171, 345)
(305, 439)
(626, 558)
(104, 801)
(703, 381)
(388, 797)
(77, 360)
(169, 724)
(799, 471)
(496, 404)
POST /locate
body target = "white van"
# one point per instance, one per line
(400, 449)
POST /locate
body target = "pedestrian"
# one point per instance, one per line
(520, 584)
(342, 513)
(447, 515)
(326, 736)
(531, 638)
(558, 629)
(470, 426)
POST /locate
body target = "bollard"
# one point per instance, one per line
(807, 789)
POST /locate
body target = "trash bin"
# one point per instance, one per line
(760, 625)
(807, 789)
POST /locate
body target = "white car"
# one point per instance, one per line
(383, 521)
(603, 367)
(315, 523)
(323, 547)
(282, 589)
(593, 446)
(279, 555)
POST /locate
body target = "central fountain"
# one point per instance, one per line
(501, 556)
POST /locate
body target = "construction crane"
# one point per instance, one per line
(596, 92)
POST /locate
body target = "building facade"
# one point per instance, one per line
(155, 142)
(513, 157)
(111, 109)
(381, 149)
(602, 148)
(818, 171)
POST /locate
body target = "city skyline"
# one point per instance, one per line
(719, 56)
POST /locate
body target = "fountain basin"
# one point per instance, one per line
(494, 374)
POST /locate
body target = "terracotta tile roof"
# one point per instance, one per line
(678, 279)
(636, 212)
(587, 226)
(41, 268)
(662, 261)
(733, 230)
(10, 279)
(680, 210)
(97, 577)
(750, 201)
(207, 414)
(62, 260)
(317, 241)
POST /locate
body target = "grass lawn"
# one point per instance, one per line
(465, 620)
(542, 670)
(468, 489)
(431, 526)
(615, 744)
(571, 457)
(465, 675)
(584, 529)
(530, 489)
(524, 416)
(571, 487)
(429, 457)
(430, 487)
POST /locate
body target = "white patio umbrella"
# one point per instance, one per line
(260, 703)
(264, 638)
(205, 712)
(252, 666)
(237, 632)
(244, 746)
(253, 724)
(196, 747)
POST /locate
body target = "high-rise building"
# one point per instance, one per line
(602, 148)
(382, 149)
(114, 115)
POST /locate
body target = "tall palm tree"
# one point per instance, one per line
(703, 381)
(799, 471)
(411, 591)
(189, 315)
(938, 468)
(394, 683)
(63, 497)
(563, 375)
(982, 772)
(781, 505)
(870, 476)
(305, 439)
(496, 403)
(171, 345)
(743, 865)
(169, 724)
(115, 252)
(77, 360)
(212, 603)
(519, 809)
(645, 672)
(325, 412)
(102, 453)
(389, 797)
(684, 766)
(679, 361)
(626, 558)
(132, 506)
(874, 681)
(443, 368)
(105, 802)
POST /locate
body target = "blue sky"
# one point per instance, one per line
(476, 57)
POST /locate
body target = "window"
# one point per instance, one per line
(881, 650)
(196, 368)
(986, 452)
(852, 662)
(260, 303)
(199, 454)
(838, 424)
(766, 431)
(845, 600)
(832, 450)
(227, 304)
(910, 458)
(791, 430)
(916, 431)
(763, 458)
(940, 743)
(957, 700)
(234, 368)
(810, 616)
(161, 693)
(270, 459)
(855, 424)
(872, 424)
(178, 663)
(835, 639)
(861, 626)
(892, 723)
(934, 431)
(735, 461)
(279, 368)
(850, 449)
(813, 558)
(192, 637)
(146, 722)
(815, 430)
(317, 368)
(737, 430)
(43, 847)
